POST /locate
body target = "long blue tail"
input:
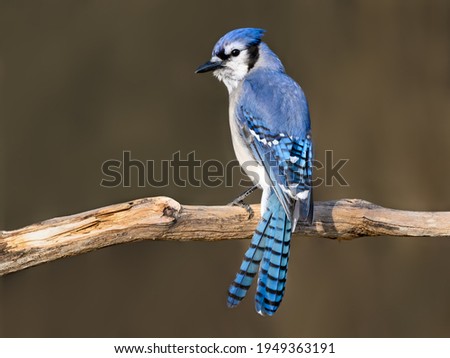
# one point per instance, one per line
(270, 250)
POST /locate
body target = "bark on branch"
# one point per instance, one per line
(162, 218)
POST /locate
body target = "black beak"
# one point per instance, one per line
(208, 66)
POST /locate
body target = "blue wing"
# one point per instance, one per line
(274, 119)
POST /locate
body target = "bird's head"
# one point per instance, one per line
(234, 55)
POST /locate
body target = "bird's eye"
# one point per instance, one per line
(235, 52)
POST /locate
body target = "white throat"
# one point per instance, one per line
(231, 77)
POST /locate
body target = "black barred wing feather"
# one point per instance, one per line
(287, 160)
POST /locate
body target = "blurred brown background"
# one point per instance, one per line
(81, 81)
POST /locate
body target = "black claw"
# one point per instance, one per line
(246, 206)
(239, 201)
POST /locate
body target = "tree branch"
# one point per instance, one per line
(162, 218)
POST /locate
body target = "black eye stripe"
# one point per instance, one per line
(221, 54)
(252, 50)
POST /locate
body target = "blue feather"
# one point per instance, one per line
(273, 270)
(250, 264)
(269, 250)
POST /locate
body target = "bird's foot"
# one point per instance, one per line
(244, 205)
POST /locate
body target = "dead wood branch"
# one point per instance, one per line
(162, 218)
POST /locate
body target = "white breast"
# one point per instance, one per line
(244, 154)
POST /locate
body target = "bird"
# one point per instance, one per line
(271, 135)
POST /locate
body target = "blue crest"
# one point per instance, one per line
(247, 36)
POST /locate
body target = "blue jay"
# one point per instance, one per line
(270, 128)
